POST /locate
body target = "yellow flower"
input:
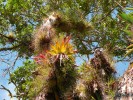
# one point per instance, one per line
(63, 46)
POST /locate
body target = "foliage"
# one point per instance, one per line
(22, 17)
(26, 29)
(22, 78)
(128, 18)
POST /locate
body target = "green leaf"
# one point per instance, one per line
(129, 8)
(127, 17)
(130, 46)
(129, 52)
(128, 32)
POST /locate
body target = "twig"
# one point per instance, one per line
(4, 88)
(15, 61)
(107, 14)
(7, 70)
(4, 36)
(10, 94)
(9, 48)
(7, 37)
(119, 5)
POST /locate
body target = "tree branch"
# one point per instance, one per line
(10, 94)
(9, 48)
(4, 88)
(7, 70)
(4, 35)
(119, 5)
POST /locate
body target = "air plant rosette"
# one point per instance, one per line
(62, 49)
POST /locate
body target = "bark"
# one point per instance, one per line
(125, 86)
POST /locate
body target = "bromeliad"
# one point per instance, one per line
(62, 49)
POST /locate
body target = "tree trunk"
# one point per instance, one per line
(125, 86)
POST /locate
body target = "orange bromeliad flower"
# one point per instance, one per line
(62, 48)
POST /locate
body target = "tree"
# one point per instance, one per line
(88, 24)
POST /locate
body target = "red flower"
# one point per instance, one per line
(39, 58)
